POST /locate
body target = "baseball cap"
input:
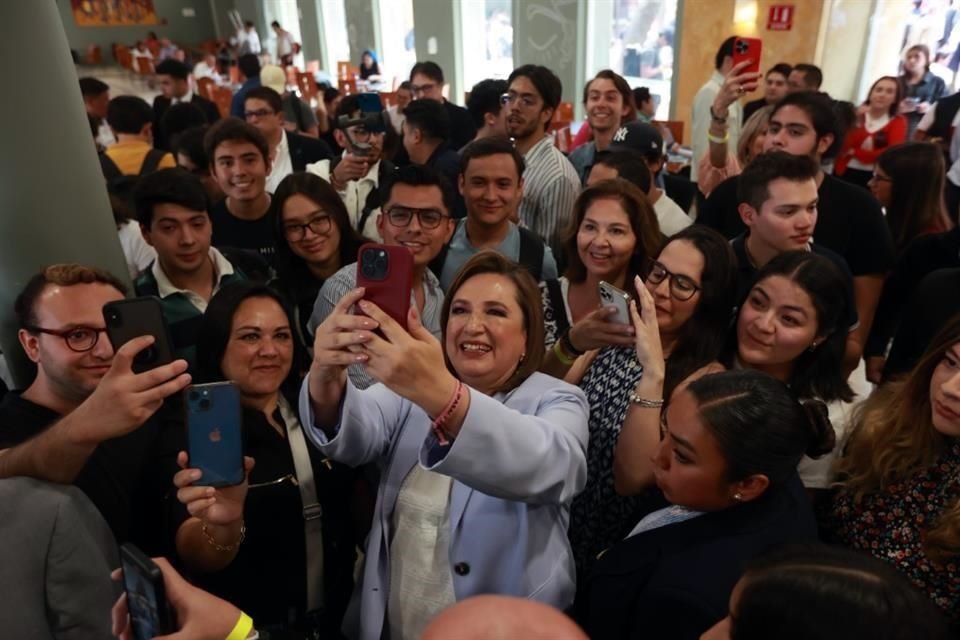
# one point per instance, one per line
(274, 77)
(639, 136)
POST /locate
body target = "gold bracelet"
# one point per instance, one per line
(645, 403)
(716, 140)
(562, 355)
(220, 547)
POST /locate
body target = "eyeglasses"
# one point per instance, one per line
(681, 287)
(78, 339)
(419, 89)
(259, 113)
(319, 224)
(526, 101)
(402, 216)
(881, 178)
(360, 134)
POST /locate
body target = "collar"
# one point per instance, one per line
(187, 97)
(717, 78)
(221, 268)
(282, 145)
(545, 141)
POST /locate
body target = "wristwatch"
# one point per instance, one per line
(716, 118)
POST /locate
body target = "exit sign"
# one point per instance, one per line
(781, 17)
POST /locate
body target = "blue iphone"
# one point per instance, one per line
(215, 433)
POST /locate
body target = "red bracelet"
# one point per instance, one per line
(438, 423)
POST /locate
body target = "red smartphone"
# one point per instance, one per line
(749, 50)
(386, 272)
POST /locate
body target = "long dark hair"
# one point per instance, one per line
(214, 333)
(734, 405)
(830, 593)
(701, 339)
(916, 171)
(816, 373)
(291, 268)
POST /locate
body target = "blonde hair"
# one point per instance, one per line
(893, 437)
(754, 126)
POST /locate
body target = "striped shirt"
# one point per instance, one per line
(550, 187)
(344, 281)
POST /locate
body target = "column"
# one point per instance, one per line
(552, 33)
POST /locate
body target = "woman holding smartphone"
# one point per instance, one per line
(314, 239)
(454, 428)
(250, 543)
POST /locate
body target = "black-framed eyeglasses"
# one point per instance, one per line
(319, 224)
(880, 178)
(681, 287)
(78, 339)
(526, 101)
(259, 113)
(402, 216)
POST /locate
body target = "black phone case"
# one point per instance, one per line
(150, 613)
(135, 317)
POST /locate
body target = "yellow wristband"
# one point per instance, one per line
(562, 355)
(242, 629)
(718, 140)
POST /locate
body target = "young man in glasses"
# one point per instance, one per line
(551, 183)
(171, 208)
(85, 419)
(289, 151)
(415, 215)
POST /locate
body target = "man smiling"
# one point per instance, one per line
(607, 98)
(415, 215)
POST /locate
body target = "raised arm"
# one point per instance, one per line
(120, 404)
(735, 84)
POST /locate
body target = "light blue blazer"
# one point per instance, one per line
(516, 465)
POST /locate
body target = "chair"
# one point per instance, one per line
(234, 74)
(343, 69)
(205, 87)
(389, 98)
(562, 117)
(144, 66)
(562, 138)
(94, 55)
(308, 87)
(675, 127)
(222, 97)
(348, 86)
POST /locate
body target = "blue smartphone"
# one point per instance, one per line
(215, 433)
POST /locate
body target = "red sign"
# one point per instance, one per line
(781, 17)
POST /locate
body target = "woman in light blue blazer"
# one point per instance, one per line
(480, 455)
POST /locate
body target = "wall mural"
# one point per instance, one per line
(113, 13)
(551, 32)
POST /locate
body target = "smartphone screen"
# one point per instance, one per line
(150, 614)
(135, 317)
(215, 433)
(386, 273)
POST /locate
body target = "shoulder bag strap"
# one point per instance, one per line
(531, 252)
(312, 511)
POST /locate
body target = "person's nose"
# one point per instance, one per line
(951, 387)
(268, 348)
(764, 322)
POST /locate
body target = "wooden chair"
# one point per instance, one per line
(389, 98)
(222, 97)
(144, 66)
(205, 87)
(675, 127)
(348, 86)
(123, 56)
(562, 117)
(343, 70)
(234, 74)
(94, 55)
(308, 87)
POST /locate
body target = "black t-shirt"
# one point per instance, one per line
(119, 477)
(931, 307)
(747, 275)
(850, 222)
(752, 107)
(462, 129)
(230, 231)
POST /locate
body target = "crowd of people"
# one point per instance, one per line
(522, 457)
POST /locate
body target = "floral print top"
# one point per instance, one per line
(892, 525)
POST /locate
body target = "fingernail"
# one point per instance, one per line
(363, 304)
(360, 357)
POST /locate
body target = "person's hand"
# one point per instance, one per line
(124, 400)
(874, 366)
(215, 506)
(599, 329)
(907, 105)
(333, 340)
(922, 107)
(408, 361)
(861, 112)
(735, 84)
(200, 615)
(647, 342)
(350, 167)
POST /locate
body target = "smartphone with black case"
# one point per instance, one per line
(134, 317)
(150, 613)
(613, 297)
(215, 433)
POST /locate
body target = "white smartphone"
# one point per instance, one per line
(611, 296)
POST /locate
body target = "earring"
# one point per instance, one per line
(523, 356)
(813, 346)
(738, 497)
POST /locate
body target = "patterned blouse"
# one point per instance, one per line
(892, 524)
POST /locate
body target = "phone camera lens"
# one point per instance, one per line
(204, 404)
(113, 318)
(194, 396)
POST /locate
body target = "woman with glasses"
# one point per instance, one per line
(251, 544)
(314, 239)
(727, 464)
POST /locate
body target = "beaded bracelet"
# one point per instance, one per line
(241, 630)
(440, 421)
(221, 547)
(645, 403)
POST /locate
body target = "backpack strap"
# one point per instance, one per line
(531, 253)
(110, 169)
(374, 201)
(556, 305)
(151, 161)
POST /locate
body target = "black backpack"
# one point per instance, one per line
(121, 185)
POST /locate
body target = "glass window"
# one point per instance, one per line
(487, 51)
(336, 46)
(396, 35)
(642, 46)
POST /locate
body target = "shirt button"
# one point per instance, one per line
(461, 568)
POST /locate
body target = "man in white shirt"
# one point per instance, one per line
(356, 174)
(702, 112)
(284, 44)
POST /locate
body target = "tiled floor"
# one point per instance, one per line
(121, 81)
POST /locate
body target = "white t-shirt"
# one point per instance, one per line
(281, 166)
(136, 251)
(670, 216)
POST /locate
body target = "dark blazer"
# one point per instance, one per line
(162, 103)
(305, 150)
(675, 581)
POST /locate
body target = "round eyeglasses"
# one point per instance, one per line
(403, 216)
(78, 339)
(319, 225)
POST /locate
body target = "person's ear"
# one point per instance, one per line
(341, 139)
(451, 227)
(489, 120)
(546, 115)
(824, 143)
(747, 214)
(750, 488)
(520, 187)
(30, 343)
(460, 183)
(147, 130)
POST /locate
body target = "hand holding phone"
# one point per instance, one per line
(214, 433)
(386, 274)
(748, 50)
(150, 614)
(611, 296)
(135, 317)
